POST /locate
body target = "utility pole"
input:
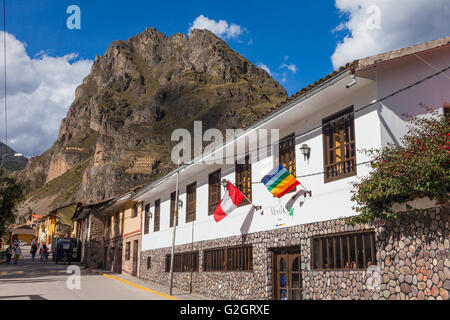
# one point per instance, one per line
(175, 220)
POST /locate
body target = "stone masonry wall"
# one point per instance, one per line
(95, 252)
(412, 256)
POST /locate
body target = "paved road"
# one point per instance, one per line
(38, 281)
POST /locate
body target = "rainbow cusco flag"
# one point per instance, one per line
(279, 181)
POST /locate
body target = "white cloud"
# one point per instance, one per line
(264, 67)
(401, 23)
(220, 28)
(291, 67)
(40, 91)
(283, 77)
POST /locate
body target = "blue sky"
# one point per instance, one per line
(298, 42)
(299, 30)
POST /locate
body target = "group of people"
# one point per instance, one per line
(16, 252)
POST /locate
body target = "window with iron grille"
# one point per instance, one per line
(346, 251)
(244, 180)
(149, 262)
(172, 208)
(339, 151)
(147, 219)
(191, 201)
(157, 215)
(183, 262)
(128, 251)
(287, 155)
(214, 185)
(239, 258)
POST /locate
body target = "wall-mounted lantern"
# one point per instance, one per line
(306, 151)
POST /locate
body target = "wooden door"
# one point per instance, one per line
(288, 277)
(135, 257)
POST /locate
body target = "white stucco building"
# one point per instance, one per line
(360, 106)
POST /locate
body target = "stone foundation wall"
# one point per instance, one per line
(412, 255)
(95, 249)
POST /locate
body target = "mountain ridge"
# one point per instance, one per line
(12, 163)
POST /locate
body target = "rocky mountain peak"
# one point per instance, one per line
(116, 133)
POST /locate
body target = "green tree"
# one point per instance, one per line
(419, 167)
(11, 193)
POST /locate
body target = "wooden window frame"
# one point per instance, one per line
(183, 262)
(172, 208)
(228, 259)
(191, 202)
(157, 219)
(326, 240)
(147, 218)
(286, 148)
(214, 196)
(446, 109)
(345, 121)
(135, 210)
(243, 178)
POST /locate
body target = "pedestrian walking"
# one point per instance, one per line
(44, 253)
(33, 250)
(9, 253)
(17, 253)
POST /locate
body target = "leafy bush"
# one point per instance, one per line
(419, 167)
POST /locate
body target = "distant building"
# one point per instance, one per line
(22, 232)
(57, 223)
(89, 229)
(122, 236)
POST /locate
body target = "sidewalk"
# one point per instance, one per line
(150, 285)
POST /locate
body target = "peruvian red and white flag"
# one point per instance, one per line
(233, 197)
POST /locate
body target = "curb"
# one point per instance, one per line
(135, 285)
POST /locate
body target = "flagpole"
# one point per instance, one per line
(175, 220)
(306, 190)
(225, 186)
(256, 207)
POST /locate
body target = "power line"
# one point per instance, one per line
(338, 118)
(4, 61)
(305, 132)
(310, 130)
